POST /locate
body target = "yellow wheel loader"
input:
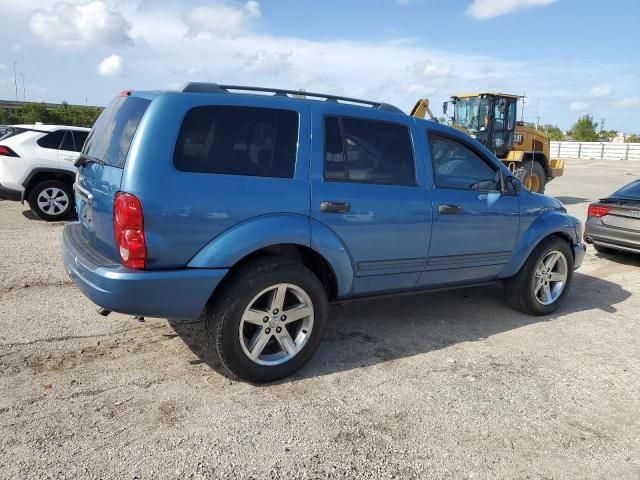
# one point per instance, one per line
(491, 118)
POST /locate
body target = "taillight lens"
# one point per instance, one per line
(598, 211)
(7, 152)
(128, 227)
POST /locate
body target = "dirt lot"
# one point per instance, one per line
(436, 385)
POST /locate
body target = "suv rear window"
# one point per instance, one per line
(111, 136)
(238, 141)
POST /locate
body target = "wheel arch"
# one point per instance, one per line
(38, 175)
(283, 235)
(547, 225)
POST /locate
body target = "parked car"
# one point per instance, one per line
(613, 223)
(37, 165)
(253, 211)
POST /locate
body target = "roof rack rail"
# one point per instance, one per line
(204, 87)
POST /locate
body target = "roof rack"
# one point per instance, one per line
(204, 87)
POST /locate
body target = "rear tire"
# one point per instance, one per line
(532, 176)
(247, 325)
(51, 200)
(527, 290)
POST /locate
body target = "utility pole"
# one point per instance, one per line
(15, 78)
(524, 94)
(537, 113)
(24, 90)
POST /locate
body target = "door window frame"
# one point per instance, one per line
(339, 117)
(431, 134)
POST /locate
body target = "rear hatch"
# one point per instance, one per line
(100, 168)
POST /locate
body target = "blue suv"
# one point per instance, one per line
(253, 208)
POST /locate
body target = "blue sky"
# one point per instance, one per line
(570, 56)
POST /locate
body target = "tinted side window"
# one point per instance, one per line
(79, 137)
(457, 166)
(238, 141)
(52, 140)
(368, 151)
(67, 142)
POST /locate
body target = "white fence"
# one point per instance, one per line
(596, 150)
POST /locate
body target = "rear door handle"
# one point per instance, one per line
(334, 207)
(449, 209)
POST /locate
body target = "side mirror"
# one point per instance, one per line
(511, 185)
(445, 106)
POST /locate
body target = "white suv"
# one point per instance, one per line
(37, 165)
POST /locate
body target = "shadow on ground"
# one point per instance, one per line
(361, 333)
(618, 256)
(572, 200)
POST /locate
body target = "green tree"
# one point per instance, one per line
(633, 139)
(553, 131)
(65, 114)
(607, 135)
(585, 129)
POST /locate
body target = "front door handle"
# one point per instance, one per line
(449, 209)
(334, 207)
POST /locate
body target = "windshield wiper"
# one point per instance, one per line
(84, 159)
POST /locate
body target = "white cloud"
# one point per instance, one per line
(80, 26)
(111, 66)
(628, 102)
(483, 9)
(429, 69)
(268, 63)
(579, 106)
(600, 91)
(420, 90)
(221, 19)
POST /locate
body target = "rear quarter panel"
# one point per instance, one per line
(183, 211)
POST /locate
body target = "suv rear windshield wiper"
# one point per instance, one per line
(84, 159)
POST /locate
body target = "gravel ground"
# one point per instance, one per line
(435, 385)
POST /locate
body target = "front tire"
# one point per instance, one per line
(532, 176)
(266, 320)
(51, 200)
(541, 285)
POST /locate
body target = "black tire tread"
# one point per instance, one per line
(32, 200)
(228, 298)
(532, 166)
(517, 289)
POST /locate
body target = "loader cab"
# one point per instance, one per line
(487, 117)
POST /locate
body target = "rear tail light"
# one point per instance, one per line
(7, 152)
(598, 211)
(128, 227)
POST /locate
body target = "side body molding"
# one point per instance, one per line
(234, 244)
(548, 223)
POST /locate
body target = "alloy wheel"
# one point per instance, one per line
(53, 201)
(276, 324)
(550, 277)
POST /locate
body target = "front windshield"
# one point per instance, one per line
(471, 113)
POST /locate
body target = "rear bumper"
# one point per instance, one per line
(612, 237)
(181, 293)
(10, 194)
